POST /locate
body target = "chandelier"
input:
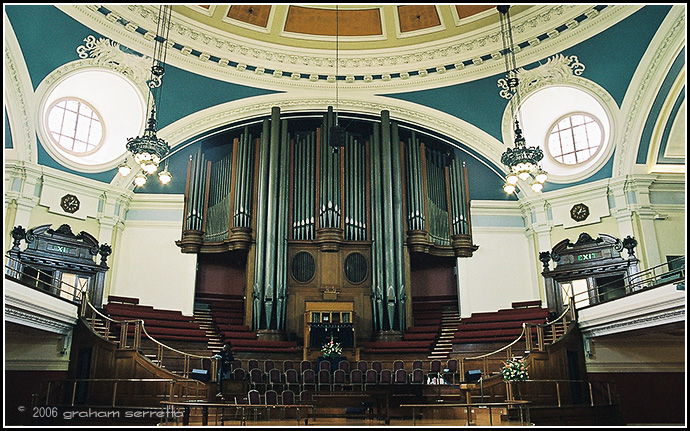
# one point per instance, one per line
(522, 161)
(148, 150)
(336, 137)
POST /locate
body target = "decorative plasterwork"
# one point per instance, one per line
(29, 307)
(444, 124)
(658, 58)
(558, 69)
(107, 53)
(224, 56)
(637, 323)
(657, 306)
(18, 105)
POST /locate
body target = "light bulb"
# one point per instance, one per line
(150, 167)
(541, 177)
(124, 169)
(523, 175)
(165, 177)
(509, 188)
(139, 180)
(512, 179)
(537, 186)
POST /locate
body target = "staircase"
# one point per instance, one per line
(203, 316)
(450, 317)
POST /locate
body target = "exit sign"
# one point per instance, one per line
(585, 257)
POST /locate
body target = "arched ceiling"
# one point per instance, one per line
(373, 26)
(290, 45)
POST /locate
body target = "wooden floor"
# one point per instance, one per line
(429, 418)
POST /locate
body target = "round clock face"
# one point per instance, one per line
(69, 203)
(579, 212)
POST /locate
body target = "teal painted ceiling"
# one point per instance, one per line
(611, 56)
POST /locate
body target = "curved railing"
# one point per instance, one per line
(170, 358)
(544, 334)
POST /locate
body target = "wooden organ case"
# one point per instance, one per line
(327, 219)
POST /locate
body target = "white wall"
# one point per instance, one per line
(148, 265)
(504, 269)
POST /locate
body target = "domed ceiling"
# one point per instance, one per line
(373, 44)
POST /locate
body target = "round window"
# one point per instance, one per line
(75, 126)
(575, 139)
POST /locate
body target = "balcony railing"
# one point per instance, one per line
(42, 281)
(671, 272)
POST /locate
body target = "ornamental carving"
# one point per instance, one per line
(557, 69)
(108, 54)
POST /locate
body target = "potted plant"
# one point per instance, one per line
(514, 370)
(331, 349)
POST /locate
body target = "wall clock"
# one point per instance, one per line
(69, 203)
(579, 212)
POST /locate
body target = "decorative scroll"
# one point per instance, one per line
(108, 53)
(557, 69)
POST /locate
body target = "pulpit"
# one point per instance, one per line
(323, 320)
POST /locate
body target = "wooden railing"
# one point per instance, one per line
(166, 356)
(545, 334)
(65, 392)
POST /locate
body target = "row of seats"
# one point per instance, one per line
(500, 326)
(338, 380)
(432, 366)
(163, 325)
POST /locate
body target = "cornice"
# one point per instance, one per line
(229, 57)
(660, 54)
(19, 105)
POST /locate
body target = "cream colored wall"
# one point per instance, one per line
(654, 351)
(33, 349)
(500, 272)
(607, 225)
(40, 216)
(149, 266)
(671, 234)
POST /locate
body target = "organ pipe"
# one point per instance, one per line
(262, 196)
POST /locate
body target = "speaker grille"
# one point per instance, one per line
(355, 268)
(303, 267)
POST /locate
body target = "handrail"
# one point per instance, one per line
(609, 395)
(568, 313)
(633, 283)
(21, 277)
(136, 342)
(75, 382)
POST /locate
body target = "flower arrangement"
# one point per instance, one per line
(331, 349)
(514, 370)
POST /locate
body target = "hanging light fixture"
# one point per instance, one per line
(522, 161)
(336, 134)
(148, 150)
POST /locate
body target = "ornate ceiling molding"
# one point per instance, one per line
(658, 58)
(224, 56)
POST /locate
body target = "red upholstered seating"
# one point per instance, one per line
(499, 326)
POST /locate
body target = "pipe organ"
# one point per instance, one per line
(322, 217)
